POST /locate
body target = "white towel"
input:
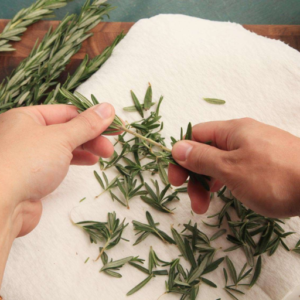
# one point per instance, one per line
(185, 59)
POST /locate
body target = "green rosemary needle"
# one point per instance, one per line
(214, 101)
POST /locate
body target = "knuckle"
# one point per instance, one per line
(246, 120)
(197, 158)
(230, 163)
(15, 115)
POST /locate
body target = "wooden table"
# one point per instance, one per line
(105, 33)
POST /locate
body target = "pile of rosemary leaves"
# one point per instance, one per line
(143, 150)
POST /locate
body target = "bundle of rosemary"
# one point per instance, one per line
(31, 80)
(26, 17)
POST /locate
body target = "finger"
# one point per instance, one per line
(201, 158)
(100, 146)
(200, 198)
(217, 132)
(177, 175)
(53, 114)
(216, 186)
(31, 214)
(83, 158)
(87, 125)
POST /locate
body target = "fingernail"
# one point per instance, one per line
(181, 151)
(104, 110)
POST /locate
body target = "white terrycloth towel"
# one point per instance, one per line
(185, 59)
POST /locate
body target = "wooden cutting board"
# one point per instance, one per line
(105, 33)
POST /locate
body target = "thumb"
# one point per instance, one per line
(88, 125)
(201, 158)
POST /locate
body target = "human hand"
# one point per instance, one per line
(260, 165)
(37, 145)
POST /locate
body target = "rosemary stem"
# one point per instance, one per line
(103, 249)
(145, 139)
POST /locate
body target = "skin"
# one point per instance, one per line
(38, 144)
(260, 164)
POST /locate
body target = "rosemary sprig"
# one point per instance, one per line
(129, 189)
(85, 70)
(108, 185)
(151, 228)
(110, 231)
(187, 283)
(26, 17)
(153, 262)
(110, 267)
(157, 199)
(30, 81)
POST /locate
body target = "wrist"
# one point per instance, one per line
(8, 231)
(8, 212)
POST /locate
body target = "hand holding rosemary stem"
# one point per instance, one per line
(82, 103)
(117, 125)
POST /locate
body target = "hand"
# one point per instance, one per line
(37, 145)
(260, 164)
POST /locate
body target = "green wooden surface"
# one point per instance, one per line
(240, 11)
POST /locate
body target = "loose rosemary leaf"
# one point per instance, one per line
(297, 248)
(232, 270)
(256, 272)
(213, 266)
(208, 282)
(218, 234)
(179, 242)
(140, 285)
(214, 101)
(26, 17)
(198, 271)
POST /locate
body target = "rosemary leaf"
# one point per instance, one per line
(208, 282)
(140, 285)
(218, 234)
(148, 98)
(179, 242)
(214, 101)
(232, 270)
(256, 272)
(137, 104)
